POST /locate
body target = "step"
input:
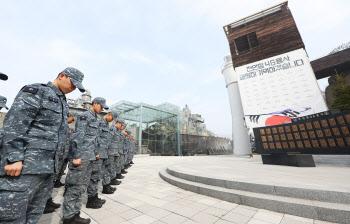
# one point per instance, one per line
(293, 192)
(326, 211)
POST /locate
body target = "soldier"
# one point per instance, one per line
(50, 205)
(130, 151)
(122, 156)
(103, 143)
(126, 150)
(120, 151)
(84, 148)
(133, 149)
(115, 144)
(64, 161)
(33, 127)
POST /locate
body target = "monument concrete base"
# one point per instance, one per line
(285, 159)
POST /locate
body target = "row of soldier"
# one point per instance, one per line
(37, 145)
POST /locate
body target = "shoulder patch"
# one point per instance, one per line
(30, 89)
(83, 118)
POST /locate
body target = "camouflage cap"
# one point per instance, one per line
(115, 115)
(3, 76)
(128, 131)
(76, 77)
(101, 101)
(3, 101)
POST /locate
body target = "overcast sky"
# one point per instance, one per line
(147, 51)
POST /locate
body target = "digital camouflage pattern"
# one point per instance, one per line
(103, 139)
(95, 177)
(85, 136)
(99, 165)
(77, 181)
(33, 127)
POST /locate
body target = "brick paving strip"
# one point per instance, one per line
(143, 198)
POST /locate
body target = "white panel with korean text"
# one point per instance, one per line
(277, 89)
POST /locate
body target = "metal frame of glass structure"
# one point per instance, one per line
(157, 127)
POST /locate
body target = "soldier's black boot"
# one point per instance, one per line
(113, 188)
(53, 204)
(119, 176)
(102, 201)
(49, 209)
(107, 190)
(124, 171)
(114, 181)
(69, 221)
(131, 162)
(80, 220)
(93, 202)
(58, 184)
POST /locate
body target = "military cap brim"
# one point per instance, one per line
(78, 85)
(3, 76)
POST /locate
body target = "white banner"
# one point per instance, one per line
(277, 89)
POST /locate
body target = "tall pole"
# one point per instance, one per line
(241, 144)
(140, 130)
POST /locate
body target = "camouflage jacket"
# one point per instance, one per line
(133, 147)
(34, 127)
(85, 136)
(126, 145)
(103, 139)
(116, 142)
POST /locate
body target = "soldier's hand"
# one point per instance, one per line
(97, 156)
(76, 162)
(14, 169)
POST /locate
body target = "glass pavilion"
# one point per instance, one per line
(155, 129)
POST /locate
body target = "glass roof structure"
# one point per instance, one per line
(157, 128)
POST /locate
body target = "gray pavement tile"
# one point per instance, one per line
(142, 219)
(221, 221)
(291, 219)
(257, 221)
(244, 210)
(268, 216)
(215, 211)
(144, 208)
(236, 218)
(187, 212)
(225, 205)
(130, 214)
(112, 219)
(205, 218)
(198, 206)
(102, 215)
(158, 213)
(173, 219)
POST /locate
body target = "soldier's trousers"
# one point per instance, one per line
(114, 163)
(23, 198)
(106, 179)
(62, 165)
(77, 181)
(122, 161)
(95, 177)
(119, 165)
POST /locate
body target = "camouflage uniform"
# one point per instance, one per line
(64, 160)
(84, 147)
(33, 128)
(98, 165)
(120, 151)
(114, 150)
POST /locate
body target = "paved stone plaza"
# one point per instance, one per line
(143, 197)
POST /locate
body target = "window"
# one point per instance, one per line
(246, 43)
